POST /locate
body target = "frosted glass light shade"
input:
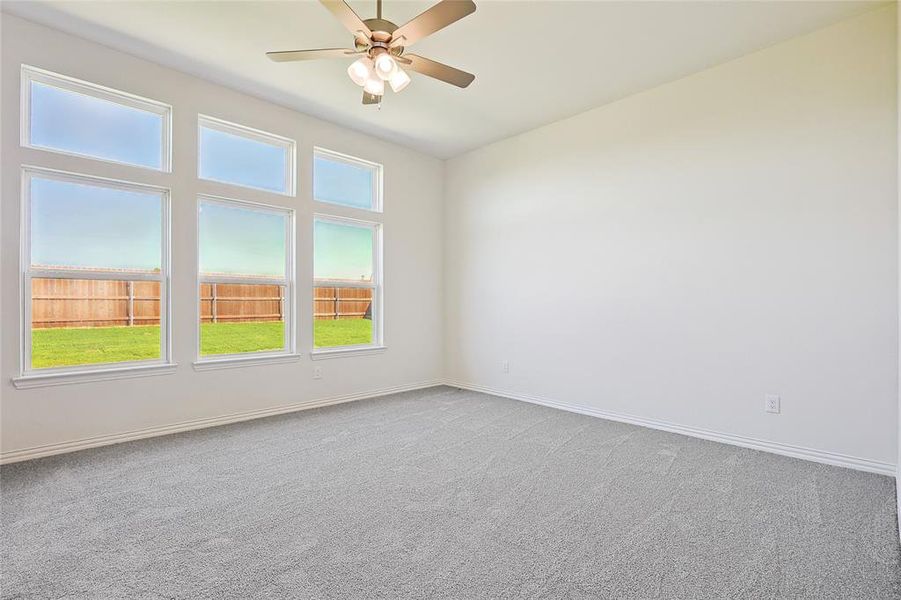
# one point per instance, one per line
(360, 70)
(385, 66)
(399, 80)
(374, 86)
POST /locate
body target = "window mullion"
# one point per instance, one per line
(343, 284)
(242, 280)
(44, 273)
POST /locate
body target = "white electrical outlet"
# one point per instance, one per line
(772, 403)
(505, 366)
(317, 372)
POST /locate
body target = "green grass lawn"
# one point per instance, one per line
(343, 332)
(91, 345)
(233, 338)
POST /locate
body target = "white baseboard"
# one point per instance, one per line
(105, 440)
(821, 456)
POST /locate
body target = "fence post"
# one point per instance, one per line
(130, 310)
(213, 314)
(337, 295)
(281, 300)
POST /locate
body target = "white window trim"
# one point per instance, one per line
(346, 351)
(93, 90)
(234, 361)
(258, 135)
(377, 287)
(288, 353)
(26, 382)
(30, 377)
(377, 178)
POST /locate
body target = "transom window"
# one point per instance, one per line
(95, 271)
(67, 115)
(238, 155)
(346, 181)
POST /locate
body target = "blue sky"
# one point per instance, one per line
(75, 225)
(342, 251)
(74, 122)
(339, 182)
(241, 242)
(236, 159)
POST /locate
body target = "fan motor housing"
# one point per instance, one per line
(381, 34)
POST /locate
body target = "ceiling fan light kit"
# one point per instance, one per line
(385, 66)
(399, 80)
(374, 86)
(379, 46)
(360, 70)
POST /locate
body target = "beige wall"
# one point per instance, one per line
(679, 254)
(413, 255)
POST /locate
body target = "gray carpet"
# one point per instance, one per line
(442, 494)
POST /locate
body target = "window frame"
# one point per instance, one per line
(258, 135)
(289, 352)
(27, 273)
(377, 178)
(376, 285)
(31, 74)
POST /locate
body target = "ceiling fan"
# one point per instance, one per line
(379, 45)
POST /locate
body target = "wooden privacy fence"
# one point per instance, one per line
(342, 303)
(94, 303)
(105, 303)
(240, 303)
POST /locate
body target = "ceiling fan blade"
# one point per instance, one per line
(293, 55)
(438, 17)
(437, 70)
(348, 18)
(371, 98)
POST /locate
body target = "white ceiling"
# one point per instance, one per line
(535, 62)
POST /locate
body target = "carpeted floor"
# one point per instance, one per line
(442, 493)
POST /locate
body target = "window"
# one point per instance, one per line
(347, 256)
(347, 286)
(75, 117)
(246, 279)
(339, 179)
(238, 155)
(95, 272)
(95, 252)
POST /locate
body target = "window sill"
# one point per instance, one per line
(342, 352)
(233, 362)
(35, 380)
